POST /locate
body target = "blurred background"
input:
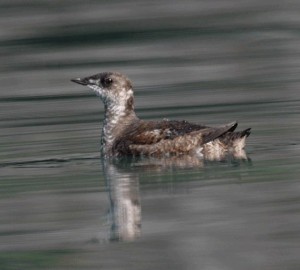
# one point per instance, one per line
(210, 62)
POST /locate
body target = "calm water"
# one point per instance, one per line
(212, 62)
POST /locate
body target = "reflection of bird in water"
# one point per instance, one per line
(122, 176)
(125, 134)
(125, 204)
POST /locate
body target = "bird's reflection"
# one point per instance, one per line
(125, 203)
(122, 178)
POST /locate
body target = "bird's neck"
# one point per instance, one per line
(118, 116)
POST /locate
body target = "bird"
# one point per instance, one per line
(125, 134)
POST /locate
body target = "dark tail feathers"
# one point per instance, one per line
(229, 138)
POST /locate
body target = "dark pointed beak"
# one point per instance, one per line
(83, 81)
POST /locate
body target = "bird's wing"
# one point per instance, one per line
(156, 138)
(149, 132)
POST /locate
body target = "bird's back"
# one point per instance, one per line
(159, 138)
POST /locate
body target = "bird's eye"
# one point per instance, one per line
(107, 81)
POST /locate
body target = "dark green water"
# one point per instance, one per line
(209, 62)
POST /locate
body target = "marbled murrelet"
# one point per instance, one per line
(123, 133)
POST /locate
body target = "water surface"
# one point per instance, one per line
(209, 62)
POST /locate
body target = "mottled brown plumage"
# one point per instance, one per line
(125, 134)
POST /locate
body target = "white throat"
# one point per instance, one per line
(113, 116)
(116, 111)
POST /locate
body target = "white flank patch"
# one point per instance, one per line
(239, 144)
(199, 152)
(156, 132)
